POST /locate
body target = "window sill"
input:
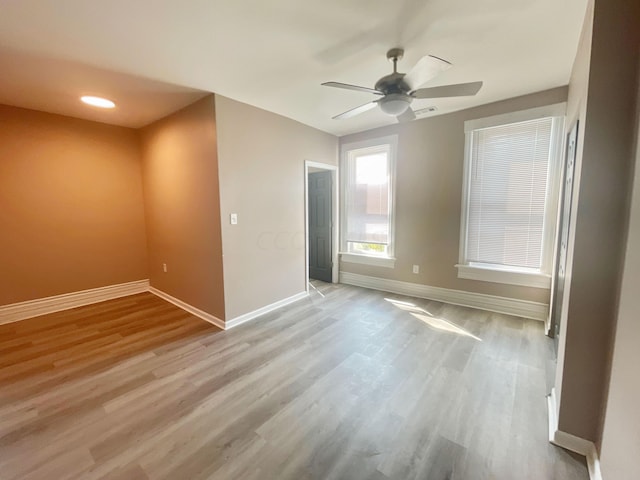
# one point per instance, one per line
(509, 277)
(387, 262)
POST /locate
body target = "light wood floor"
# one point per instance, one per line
(345, 386)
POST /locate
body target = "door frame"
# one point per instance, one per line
(335, 219)
(569, 157)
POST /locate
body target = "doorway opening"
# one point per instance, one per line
(321, 222)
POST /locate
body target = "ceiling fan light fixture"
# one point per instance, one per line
(395, 104)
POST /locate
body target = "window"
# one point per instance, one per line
(510, 197)
(367, 229)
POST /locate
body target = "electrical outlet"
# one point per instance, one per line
(233, 218)
(416, 269)
(164, 267)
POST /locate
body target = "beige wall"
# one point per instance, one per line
(621, 434)
(181, 198)
(429, 196)
(600, 222)
(71, 213)
(262, 180)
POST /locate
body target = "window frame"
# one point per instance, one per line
(505, 274)
(389, 259)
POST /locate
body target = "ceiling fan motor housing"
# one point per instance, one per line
(392, 83)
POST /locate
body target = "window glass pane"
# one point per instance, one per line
(371, 169)
(368, 248)
(507, 193)
(367, 198)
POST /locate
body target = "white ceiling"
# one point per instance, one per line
(275, 53)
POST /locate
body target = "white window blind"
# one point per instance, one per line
(508, 184)
(367, 195)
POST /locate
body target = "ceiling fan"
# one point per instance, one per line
(398, 90)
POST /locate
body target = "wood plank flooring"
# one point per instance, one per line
(347, 384)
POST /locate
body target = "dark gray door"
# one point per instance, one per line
(320, 209)
(563, 239)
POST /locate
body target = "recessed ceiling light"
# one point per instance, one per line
(97, 102)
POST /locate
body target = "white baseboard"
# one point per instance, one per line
(189, 308)
(266, 309)
(42, 306)
(492, 303)
(593, 463)
(571, 442)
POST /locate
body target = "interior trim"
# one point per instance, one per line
(207, 317)
(42, 306)
(387, 262)
(553, 110)
(492, 303)
(509, 277)
(570, 442)
(264, 310)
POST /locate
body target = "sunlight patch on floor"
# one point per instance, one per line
(436, 323)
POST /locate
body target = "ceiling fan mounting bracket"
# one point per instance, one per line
(395, 54)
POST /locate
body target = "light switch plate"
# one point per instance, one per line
(233, 218)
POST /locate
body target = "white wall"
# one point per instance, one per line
(261, 166)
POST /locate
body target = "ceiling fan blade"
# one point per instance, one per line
(427, 68)
(458, 90)
(356, 111)
(407, 116)
(357, 88)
